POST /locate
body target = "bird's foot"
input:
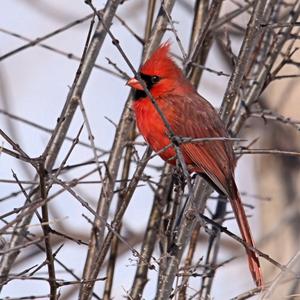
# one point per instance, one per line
(179, 178)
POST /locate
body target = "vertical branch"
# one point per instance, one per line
(169, 227)
(188, 262)
(47, 230)
(261, 77)
(57, 138)
(201, 36)
(116, 222)
(106, 195)
(151, 234)
(125, 173)
(201, 10)
(252, 34)
(201, 191)
(115, 240)
(212, 251)
(94, 258)
(111, 268)
(149, 21)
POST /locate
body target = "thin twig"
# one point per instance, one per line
(47, 232)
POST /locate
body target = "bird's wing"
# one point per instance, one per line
(195, 117)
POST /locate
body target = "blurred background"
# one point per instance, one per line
(34, 84)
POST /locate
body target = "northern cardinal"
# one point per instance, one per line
(189, 115)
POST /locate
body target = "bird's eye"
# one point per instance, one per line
(155, 79)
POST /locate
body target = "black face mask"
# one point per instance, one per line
(150, 82)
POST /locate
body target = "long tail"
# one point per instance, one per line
(242, 221)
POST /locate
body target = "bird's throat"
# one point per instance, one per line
(139, 95)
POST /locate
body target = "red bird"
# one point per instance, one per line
(189, 115)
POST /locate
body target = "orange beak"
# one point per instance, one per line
(135, 84)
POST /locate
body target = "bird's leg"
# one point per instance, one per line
(170, 216)
(194, 176)
(179, 183)
(178, 177)
(166, 224)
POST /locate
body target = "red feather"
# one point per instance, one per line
(190, 115)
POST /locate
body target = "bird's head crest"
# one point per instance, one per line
(160, 62)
